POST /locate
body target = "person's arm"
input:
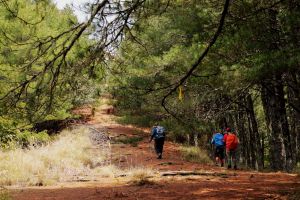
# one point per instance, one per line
(213, 140)
(152, 135)
(165, 132)
(237, 140)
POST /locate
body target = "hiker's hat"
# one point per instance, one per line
(228, 129)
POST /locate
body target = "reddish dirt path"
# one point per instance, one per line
(234, 185)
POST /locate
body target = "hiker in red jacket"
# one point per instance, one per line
(231, 141)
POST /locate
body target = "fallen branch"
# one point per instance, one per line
(196, 173)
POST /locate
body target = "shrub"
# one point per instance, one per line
(11, 136)
(27, 138)
(7, 133)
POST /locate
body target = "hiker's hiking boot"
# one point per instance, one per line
(222, 164)
(229, 167)
(235, 167)
(159, 156)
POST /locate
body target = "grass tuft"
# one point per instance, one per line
(195, 154)
(140, 176)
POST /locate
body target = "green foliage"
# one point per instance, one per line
(23, 43)
(10, 135)
(40, 78)
(27, 138)
(167, 50)
(7, 134)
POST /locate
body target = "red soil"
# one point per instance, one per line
(233, 185)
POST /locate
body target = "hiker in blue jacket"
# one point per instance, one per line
(218, 142)
(158, 134)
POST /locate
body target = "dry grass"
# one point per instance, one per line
(141, 176)
(67, 157)
(195, 154)
(5, 195)
(109, 171)
(70, 157)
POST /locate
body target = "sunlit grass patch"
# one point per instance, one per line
(68, 156)
(195, 154)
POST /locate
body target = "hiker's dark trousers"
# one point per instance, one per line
(231, 157)
(159, 145)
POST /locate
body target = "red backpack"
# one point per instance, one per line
(231, 141)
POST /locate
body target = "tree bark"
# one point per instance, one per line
(280, 151)
(243, 134)
(257, 152)
(293, 79)
(196, 137)
(293, 89)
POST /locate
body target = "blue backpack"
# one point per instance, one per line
(158, 132)
(218, 140)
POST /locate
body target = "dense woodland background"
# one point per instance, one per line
(194, 65)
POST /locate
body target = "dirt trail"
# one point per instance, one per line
(231, 185)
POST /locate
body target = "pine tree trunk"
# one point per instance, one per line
(277, 155)
(293, 83)
(243, 135)
(281, 156)
(188, 139)
(253, 129)
(279, 135)
(294, 77)
(252, 145)
(196, 142)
